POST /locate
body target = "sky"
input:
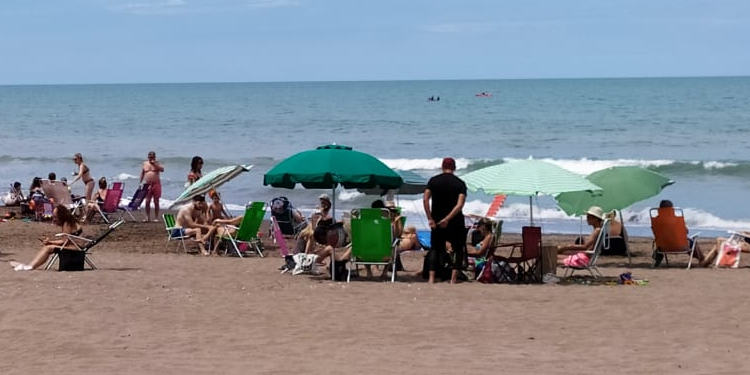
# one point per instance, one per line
(137, 41)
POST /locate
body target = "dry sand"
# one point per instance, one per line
(147, 310)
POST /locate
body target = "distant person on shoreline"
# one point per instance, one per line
(84, 174)
(61, 216)
(195, 173)
(150, 170)
(447, 193)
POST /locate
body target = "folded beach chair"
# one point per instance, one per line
(247, 232)
(73, 260)
(372, 240)
(111, 202)
(530, 251)
(602, 241)
(174, 233)
(136, 201)
(671, 234)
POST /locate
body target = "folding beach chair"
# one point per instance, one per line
(111, 201)
(247, 232)
(136, 201)
(602, 241)
(174, 233)
(59, 194)
(372, 240)
(530, 249)
(671, 234)
(283, 211)
(73, 260)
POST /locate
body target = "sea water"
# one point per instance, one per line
(694, 130)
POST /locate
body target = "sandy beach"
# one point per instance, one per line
(150, 310)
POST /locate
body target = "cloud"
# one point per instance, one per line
(461, 27)
(152, 7)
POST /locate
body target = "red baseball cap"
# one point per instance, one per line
(449, 163)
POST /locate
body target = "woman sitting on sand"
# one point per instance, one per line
(62, 216)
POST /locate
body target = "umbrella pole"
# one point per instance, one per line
(531, 212)
(333, 249)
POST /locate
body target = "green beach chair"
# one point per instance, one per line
(247, 232)
(174, 233)
(372, 240)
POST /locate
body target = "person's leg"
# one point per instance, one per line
(89, 191)
(156, 194)
(711, 256)
(42, 256)
(437, 241)
(148, 207)
(458, 244)
(196, 232)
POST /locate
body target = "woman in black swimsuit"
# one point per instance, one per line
(84, 175)
(62, 216)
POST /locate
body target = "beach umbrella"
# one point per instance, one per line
(326, 167)
(527, 178)
(621, 187)
(413, 184)
(211, 180)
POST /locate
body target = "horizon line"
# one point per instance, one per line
(363, 80)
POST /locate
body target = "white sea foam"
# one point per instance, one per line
(423, 164)
(125, 176)
(345, 195)
(717, 164)
(585, 166)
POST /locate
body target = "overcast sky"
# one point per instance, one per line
(107, 41)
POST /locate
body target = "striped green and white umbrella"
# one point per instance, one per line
(527, 178)
(211, 180)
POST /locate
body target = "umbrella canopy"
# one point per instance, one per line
(413, 184)
(527, 178)
(209, 181)
(621, 187)
(332, 165)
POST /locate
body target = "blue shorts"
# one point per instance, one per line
(177, 232)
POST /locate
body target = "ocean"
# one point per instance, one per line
(694, 130)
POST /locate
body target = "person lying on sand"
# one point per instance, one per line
(63, 217)
(190, 222)
(711, 256)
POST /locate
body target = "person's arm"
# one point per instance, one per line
(456, 209)
(159, 167)
(143, 173)
(427, 211)
(586, 245)
(398, 227)
(80, 173)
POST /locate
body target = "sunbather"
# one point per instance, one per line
(84, 174)
(483, 248)
(63, 217)
(150, 170)
(323, 215)
(190, 222)
(97, 200)
(595, 218)
(698, 254)
(711, 256)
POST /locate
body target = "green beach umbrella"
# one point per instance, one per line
(527, 178)
(621, 187)
(329, 166)
(209, 181)
(413, 184)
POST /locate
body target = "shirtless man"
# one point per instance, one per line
(189, 221)
(150, 174)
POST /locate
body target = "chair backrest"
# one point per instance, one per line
(531, 237)
(138, 197)
(498, 231)
(670, 231)
(602, 241)
(371, 235)
(58, 192)
(169, 221)
(106, 233)
(112, 199)
(250, 224)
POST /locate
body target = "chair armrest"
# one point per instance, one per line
(69, 236)
(694, 236)
(231, 226)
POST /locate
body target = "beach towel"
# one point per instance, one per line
(729, 254)
(577, 260)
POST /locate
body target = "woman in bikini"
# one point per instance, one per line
(62, 216)
(195, 173)
(150, 174)
(84, 174)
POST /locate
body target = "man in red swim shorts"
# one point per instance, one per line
(150, 175)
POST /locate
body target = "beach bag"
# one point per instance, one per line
(483, 270)
(577, 260)
(305, 263)
(70, 260)
(729, 254)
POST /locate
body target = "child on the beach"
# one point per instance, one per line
(216, 210)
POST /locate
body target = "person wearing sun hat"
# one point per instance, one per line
(595, 218)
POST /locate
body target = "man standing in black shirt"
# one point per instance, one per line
(448, 194)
